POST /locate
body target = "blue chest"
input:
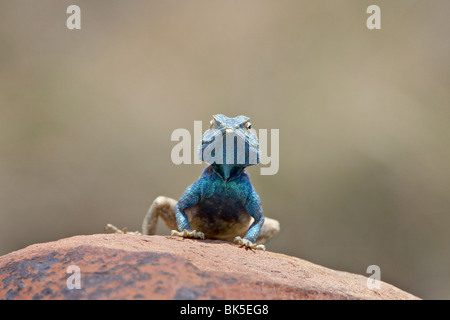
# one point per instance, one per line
(223, 198)
(221, 208)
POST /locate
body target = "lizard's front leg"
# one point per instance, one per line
(189, 198)
(249, 241)
(254, 208)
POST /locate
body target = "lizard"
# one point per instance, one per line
(222, 203)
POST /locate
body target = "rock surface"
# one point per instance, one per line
(114, 266)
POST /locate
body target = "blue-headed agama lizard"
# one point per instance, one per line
(222, 204)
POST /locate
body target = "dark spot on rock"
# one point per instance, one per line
(37, 296)
(11, 294)
(159, 290)
(184, 293)
(44, 263)
(47, 292)
(210, 285)
(228, 280)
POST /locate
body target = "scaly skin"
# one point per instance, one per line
(222, 203)
(224, 191)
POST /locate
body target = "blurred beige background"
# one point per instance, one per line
(86, 118)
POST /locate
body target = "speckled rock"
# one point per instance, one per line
(114, 266)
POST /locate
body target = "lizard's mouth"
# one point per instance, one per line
(229, 146)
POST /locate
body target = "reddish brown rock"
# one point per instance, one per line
(114, 266)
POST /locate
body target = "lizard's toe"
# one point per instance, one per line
(189, 234)
(248, 244)
(119, 231)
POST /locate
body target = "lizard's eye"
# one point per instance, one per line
(248, 125)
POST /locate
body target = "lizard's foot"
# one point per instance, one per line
(117, 230)
(248, 244)
(189, 234)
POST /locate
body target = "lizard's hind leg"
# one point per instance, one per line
(270, 228)
(163, 207)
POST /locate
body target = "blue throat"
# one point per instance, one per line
(227, 171)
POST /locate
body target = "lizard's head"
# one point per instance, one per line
(230, 142)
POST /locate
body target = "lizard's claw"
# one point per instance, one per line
(248, 244)
(117, 230)
(189, 234)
